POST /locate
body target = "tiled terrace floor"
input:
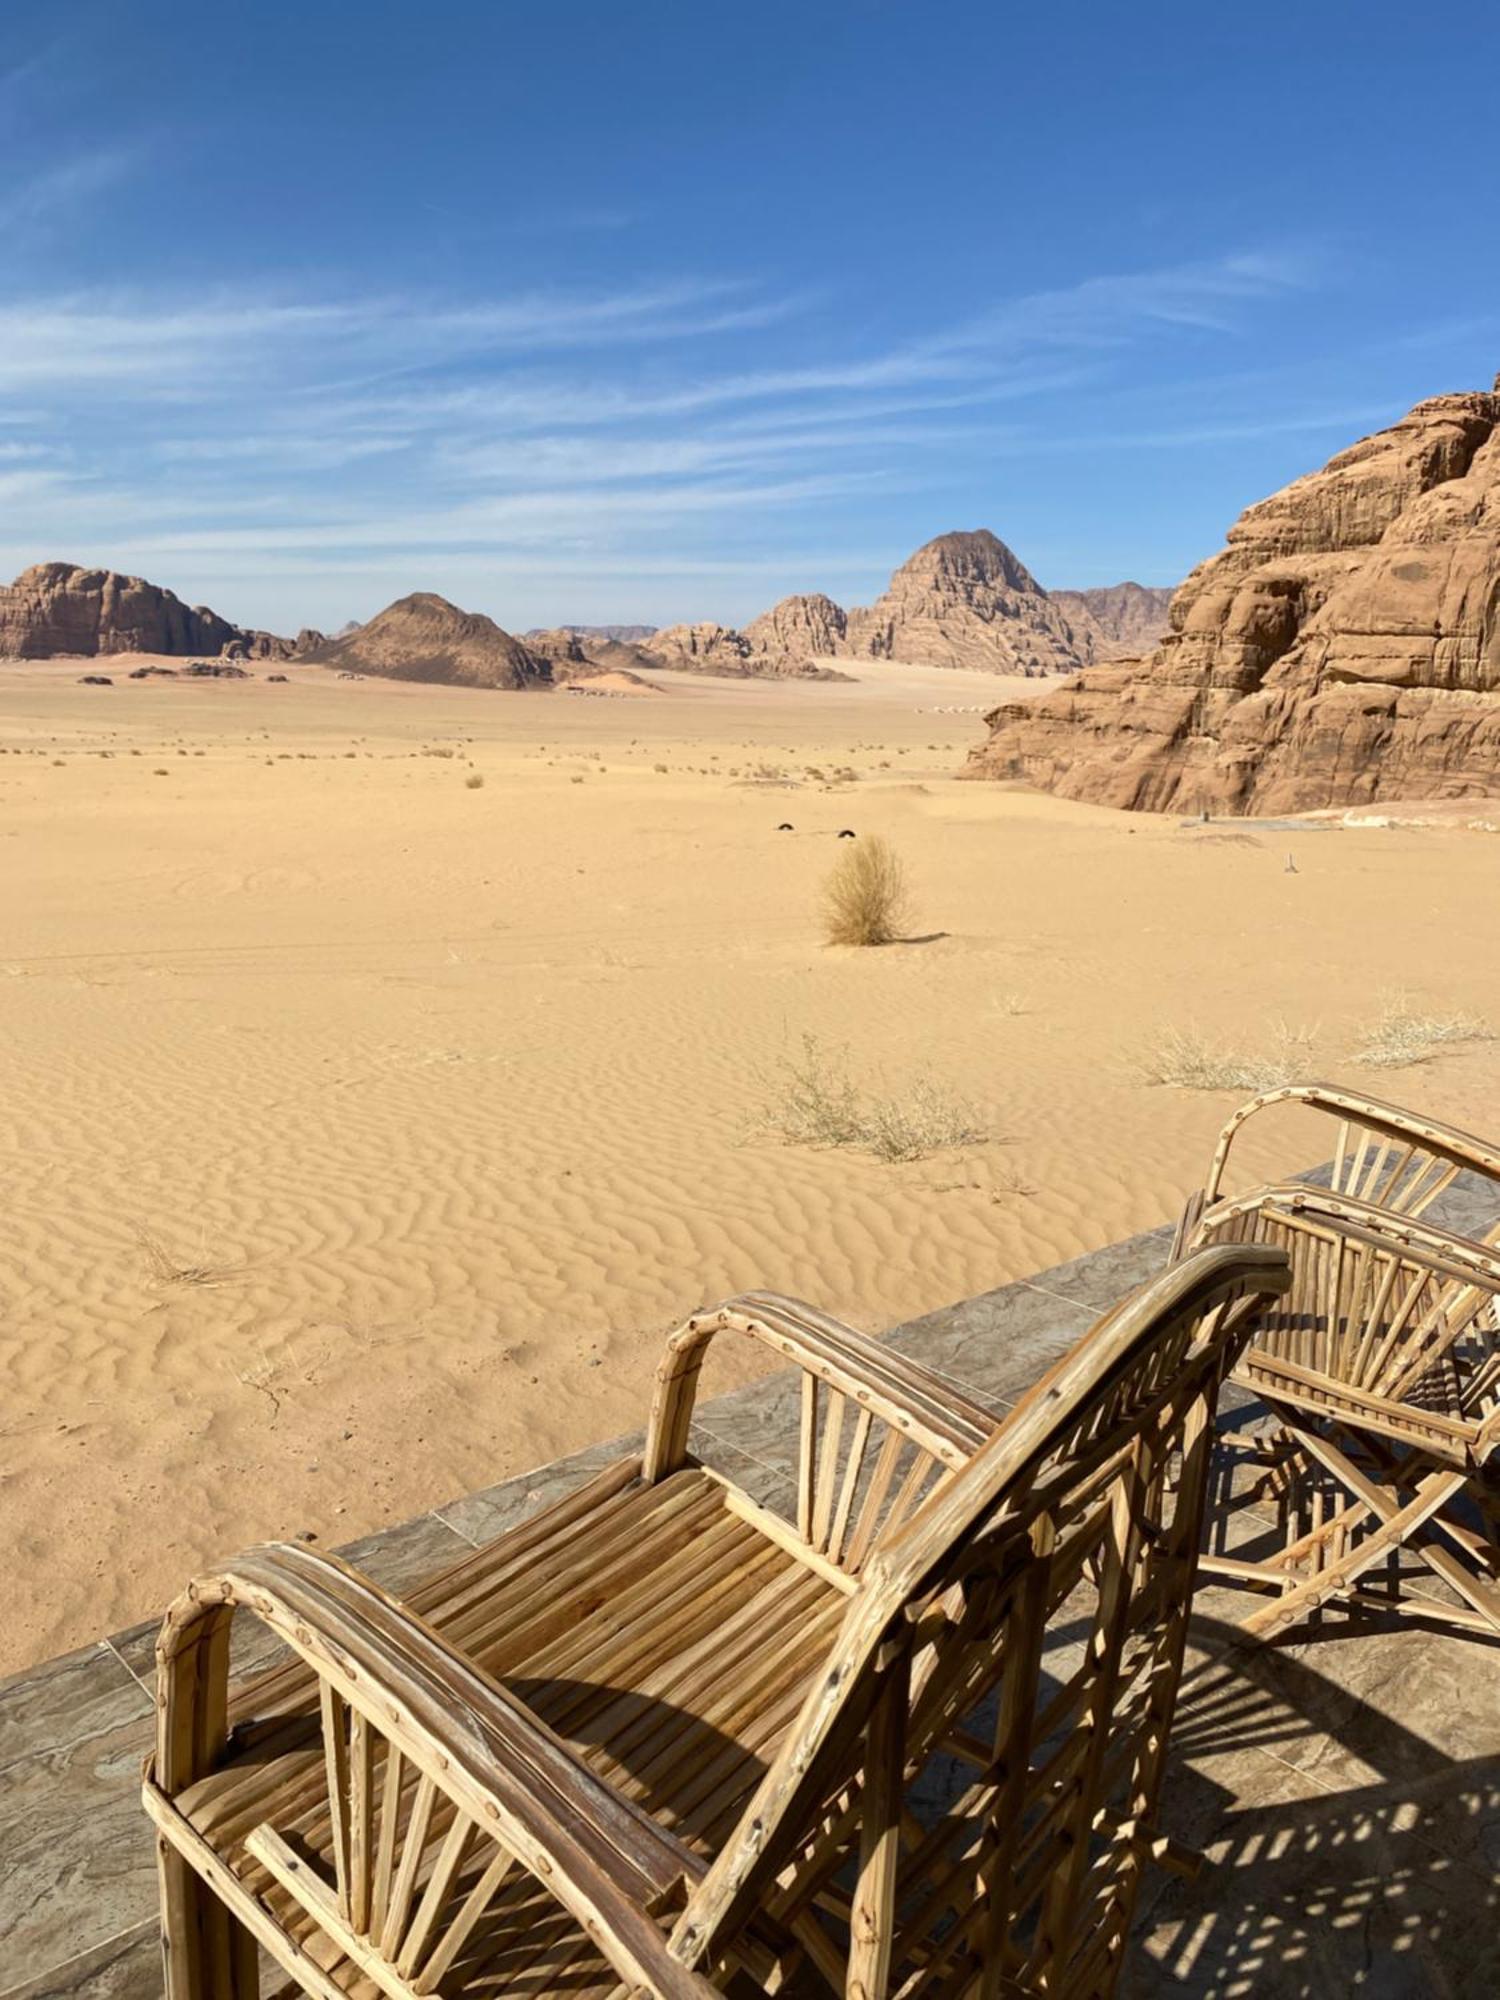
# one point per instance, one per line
(1345, 1785)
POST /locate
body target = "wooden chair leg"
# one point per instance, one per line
(206, 1953)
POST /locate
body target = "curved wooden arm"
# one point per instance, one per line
(875, 1376)
(1387, 1121)
(1440, 1251)
(605, 1861)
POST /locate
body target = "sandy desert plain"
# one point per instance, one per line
(367, 1125)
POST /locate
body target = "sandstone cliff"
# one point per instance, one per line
(1343, 647)
(1117, 621)
(425, 638)
(56, 608)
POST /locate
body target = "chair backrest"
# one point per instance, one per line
(1383, 1155)
(1027, 1622)
(1378, 1302)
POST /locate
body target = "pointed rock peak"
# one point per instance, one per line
(974, 553)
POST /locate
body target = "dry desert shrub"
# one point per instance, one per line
(865, 899)
(1186, 1059)
(1401, 1035)
(815, 1101)
(474, 781)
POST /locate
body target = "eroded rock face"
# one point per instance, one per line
(965, 600)
(1117, 621)
(1343, 647)
(57, 608)
(803, 628)
(425, 638)
(720, 649)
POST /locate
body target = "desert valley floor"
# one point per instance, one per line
(368, 1125)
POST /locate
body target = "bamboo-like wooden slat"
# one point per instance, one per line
(1382, 1366)
(645, 1743)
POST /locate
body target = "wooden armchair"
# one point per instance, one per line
(1381, 1367)
(659, 1740)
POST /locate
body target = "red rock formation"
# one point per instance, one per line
(57, 609)
(1343, 647)
(425, 638)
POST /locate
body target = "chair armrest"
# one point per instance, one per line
(1387, 1121)
(873, 1375)
(606, 1861)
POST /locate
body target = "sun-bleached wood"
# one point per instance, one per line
(657, 1740)
(1381, 1367)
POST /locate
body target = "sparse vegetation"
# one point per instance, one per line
(1186, 1059)
(474, 781)
(1401, 1035)
(816, 1102)
(166, 1270)
(866, 900)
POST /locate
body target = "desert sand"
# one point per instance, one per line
(367, 1126)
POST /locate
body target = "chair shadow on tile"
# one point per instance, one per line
(1386, 1882)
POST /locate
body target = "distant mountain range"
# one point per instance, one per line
(963, 600)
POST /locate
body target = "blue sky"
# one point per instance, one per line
(585, 311)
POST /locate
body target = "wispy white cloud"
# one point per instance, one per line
(636, 430)
(60, 189)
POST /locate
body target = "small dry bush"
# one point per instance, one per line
(1186, 1059)
(865, 899)
(816, 1102)
(1401, 1035)
(474, 781)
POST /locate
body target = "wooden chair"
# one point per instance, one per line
(660, 1740)
(1381, 1367)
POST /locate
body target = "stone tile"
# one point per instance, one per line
(995, 1346)
(761, 1420)
(763, 1483)
(1309, 1893)
(1471, 1207)
(1101, 1278)
(400, 1556)
(1417, 1710)
(65, 1702)
(79, 1861)
(125, 1968)
(479, 1517)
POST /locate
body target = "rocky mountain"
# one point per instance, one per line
(627, 635)
(425, 638)
(720, 649)
(574, 654)
(1117, 621)
(805, 628)
(1343, 647)
(57, 608)
(965, 600)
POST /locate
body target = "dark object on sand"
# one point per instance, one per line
(846, 833)
(95, 681)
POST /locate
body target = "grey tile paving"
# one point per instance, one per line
(996, 1345)
(1100, 1278)
(68, 1701)
(479, 1517)
(124, 1968)
(79, 1861)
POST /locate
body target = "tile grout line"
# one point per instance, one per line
(130, 1931)
(452, 1526)
(110, 1647)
